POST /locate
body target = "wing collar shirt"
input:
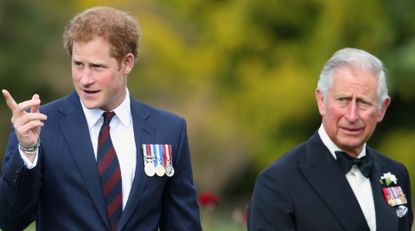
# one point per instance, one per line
(359, 183)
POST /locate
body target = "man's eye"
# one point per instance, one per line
(77, 64)
(97, 67)
(343, 102)
(363, 104)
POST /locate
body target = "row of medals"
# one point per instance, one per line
(159, 170)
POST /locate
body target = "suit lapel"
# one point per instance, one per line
(325, 176)
(144, 133)
(386, 218)
(76, 133)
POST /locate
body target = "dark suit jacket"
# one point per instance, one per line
(63, 191)
(306, 190)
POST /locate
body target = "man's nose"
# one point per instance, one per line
(86, 77)
(352, 113)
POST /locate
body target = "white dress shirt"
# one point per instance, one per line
(360, 184)
(122, 137)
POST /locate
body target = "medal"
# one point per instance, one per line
(149, 168)
(160, 171)
(169, 165)
(158, 160)
(401, 211)
(169, 170)
(394, 196)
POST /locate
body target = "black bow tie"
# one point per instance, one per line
(346, 163)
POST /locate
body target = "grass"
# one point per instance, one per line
(222, 219)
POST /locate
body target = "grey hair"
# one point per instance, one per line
(353, 57)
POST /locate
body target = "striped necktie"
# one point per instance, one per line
(109, 172)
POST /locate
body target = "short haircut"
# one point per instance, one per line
(349, 57)
(119, 28)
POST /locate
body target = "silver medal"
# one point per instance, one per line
(149, 169)
(169, 166)
(401, 211)
(169, 170)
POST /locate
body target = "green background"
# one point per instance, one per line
(242, 72)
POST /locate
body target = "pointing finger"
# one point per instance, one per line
(11, 103)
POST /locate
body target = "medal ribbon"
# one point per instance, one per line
(165, 154)
(153, 148)
(148, 151)
(159, 153)
(167, 148)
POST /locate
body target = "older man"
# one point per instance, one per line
(334, 181)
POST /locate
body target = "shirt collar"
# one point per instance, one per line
(122, 112)
(333, 147)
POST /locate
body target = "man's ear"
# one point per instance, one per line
(383, 108)
(320, 102)
(127, 63)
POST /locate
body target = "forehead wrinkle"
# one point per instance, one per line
(354, 81)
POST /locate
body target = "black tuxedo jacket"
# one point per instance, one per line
(63, 191)
(306, 190)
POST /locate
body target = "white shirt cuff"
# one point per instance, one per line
(27, 162)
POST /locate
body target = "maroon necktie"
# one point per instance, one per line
(109, 172)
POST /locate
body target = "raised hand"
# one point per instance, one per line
(27, 124)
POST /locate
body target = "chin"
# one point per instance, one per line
(352, 145)
(90, 105)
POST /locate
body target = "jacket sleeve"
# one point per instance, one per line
(270, 208)
(180, 210)
(19, 189)
(410, 216)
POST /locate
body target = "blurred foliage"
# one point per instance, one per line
(242, 72)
